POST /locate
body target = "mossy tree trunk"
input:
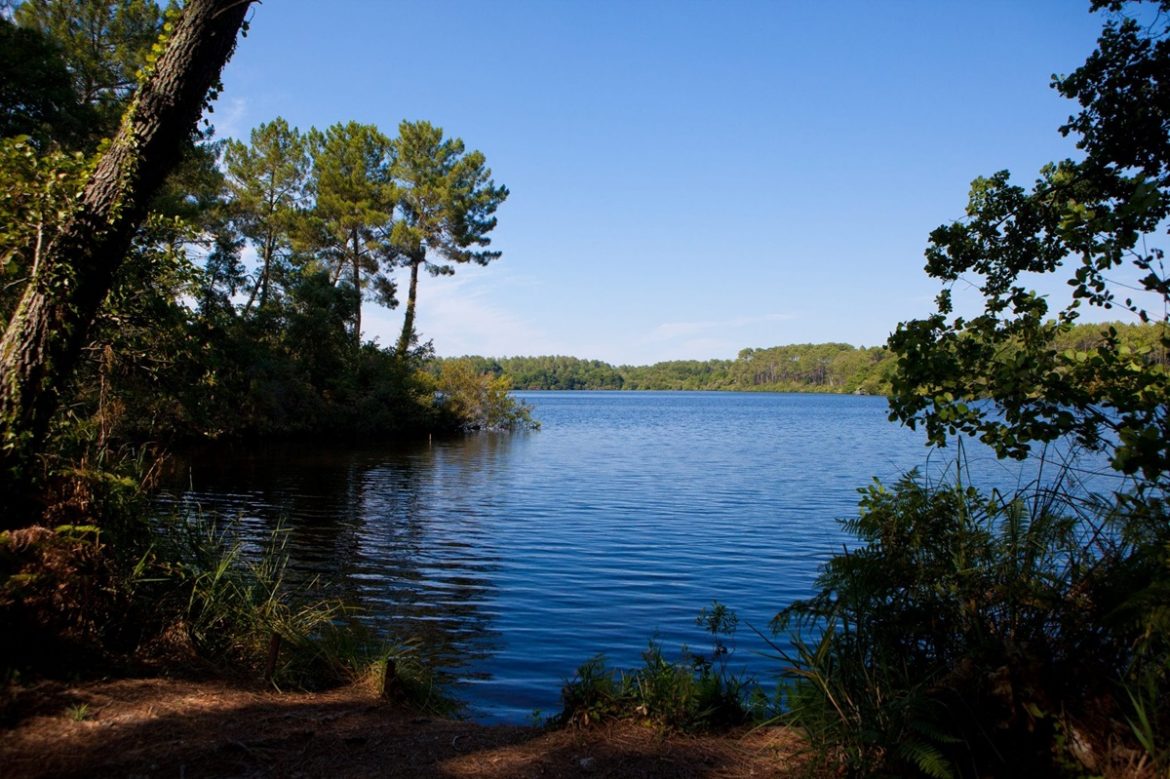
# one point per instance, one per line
(73, 273)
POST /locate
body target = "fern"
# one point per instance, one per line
(926, 758)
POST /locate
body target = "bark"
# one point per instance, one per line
(46, 333)
(357, 285)
(266, 275)
(269, 238)
(407, 336)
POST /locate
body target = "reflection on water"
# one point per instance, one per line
(394, 531)
(518, 557)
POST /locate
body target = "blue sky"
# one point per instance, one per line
(687, 178)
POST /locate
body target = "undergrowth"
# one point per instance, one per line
(975, 635)
(241, 611)
(107, 590)
(694, 693)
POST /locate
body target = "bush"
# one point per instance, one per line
(972, 634)
(695, 693)
(475, 401)
(71, 588)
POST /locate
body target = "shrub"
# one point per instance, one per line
(694, 693)
(475, 401)
(970, 634)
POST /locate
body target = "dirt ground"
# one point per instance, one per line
(186, 729)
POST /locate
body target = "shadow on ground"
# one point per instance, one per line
(169, 728)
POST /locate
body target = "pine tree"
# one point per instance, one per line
(446, 201)
(353, 218)
(266, 180)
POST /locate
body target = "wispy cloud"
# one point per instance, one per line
(670, 331)
(458, 314)
(229, 117)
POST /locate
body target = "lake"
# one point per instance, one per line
(517, 557)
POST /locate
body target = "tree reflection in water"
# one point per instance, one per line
(395, 531)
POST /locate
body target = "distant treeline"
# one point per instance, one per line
(830, 367)
(798, 368)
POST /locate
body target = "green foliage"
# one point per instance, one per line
(1073, 608)
(971, 635)
(861, 720)
(399, 672)
(479, 401)
(679, 375)
(36, 91)
(266, 181)
(175, 354)
(797, 368)
(695, 693)
(812, 368)
(446, 201)
(1096, 224)
(1147, 718)
(549, 373)
(447, 198)
(52, 602)
(833, 368)
(182, 352)
(78, 712)
(349, 227)
(103, 44)
(37, 192)
(106, 585)
(71, 596)
(593, 695)
(958, 620)
(241, 611)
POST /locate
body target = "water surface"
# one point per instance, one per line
(519, 556)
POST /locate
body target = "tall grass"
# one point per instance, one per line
(242, 611)
(96, 582)
(972, 634)
(240, 608)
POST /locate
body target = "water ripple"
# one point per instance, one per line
(519, 557)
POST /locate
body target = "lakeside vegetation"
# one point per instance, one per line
(973, 634)
(967, 634)
(134, 324)
(797, 368)
(233, 306)
(829, 367)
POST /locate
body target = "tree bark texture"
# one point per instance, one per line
(74, 272)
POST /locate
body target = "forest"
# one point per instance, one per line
(831, 367)
(161, 287)
(193, 343)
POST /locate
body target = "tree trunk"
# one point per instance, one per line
(269, 250)
(407, 336)
(357, 285)
(74, 272)
(260, 288)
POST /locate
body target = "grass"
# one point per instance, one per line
(397, 671)
(692, 694)
(107, 589)
(242, 610)
(78, 712)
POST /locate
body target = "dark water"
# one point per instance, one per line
(520, 556)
